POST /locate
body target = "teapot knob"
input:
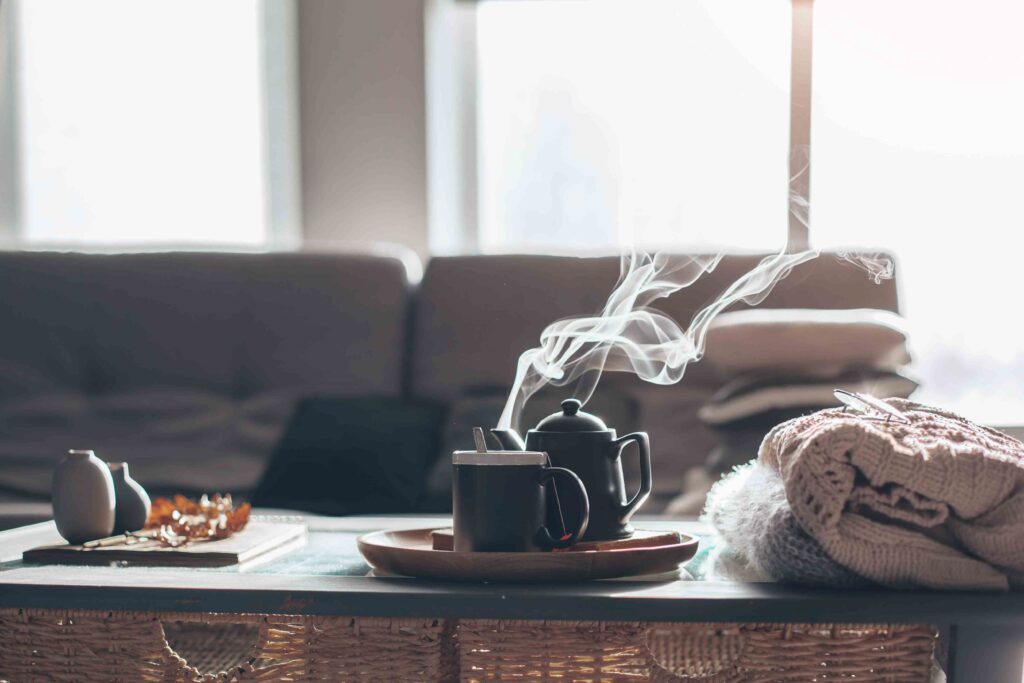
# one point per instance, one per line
(571, 406)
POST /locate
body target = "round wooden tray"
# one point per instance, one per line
(410, 552)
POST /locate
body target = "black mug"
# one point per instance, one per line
(499, 502)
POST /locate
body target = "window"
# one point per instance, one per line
(918, 147)
(607, 123)
(144, 122)
(666, 124)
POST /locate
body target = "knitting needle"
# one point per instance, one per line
(866, 403)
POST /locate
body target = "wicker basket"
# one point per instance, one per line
(491, 650)
(609, 652)
(64, 645)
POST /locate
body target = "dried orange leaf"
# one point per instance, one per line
(182, 520)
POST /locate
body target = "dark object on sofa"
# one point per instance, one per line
(344, 456)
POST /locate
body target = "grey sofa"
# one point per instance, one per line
(187, 365)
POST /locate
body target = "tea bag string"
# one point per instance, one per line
(558, 500)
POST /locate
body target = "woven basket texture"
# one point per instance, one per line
(66, 645)
(791, 653)
(622, 652)
(132, 647)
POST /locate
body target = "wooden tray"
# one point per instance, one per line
(444, 539)
(256, 540)
(410, 552)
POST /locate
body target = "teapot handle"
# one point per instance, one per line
(646, 479)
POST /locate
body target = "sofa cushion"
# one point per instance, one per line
(229, 323)
(185, 365)
(476, 314)
(176, 440)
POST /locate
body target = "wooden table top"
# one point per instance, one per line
(329, 577)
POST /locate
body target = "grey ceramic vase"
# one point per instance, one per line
(132, 501)
(83, 498)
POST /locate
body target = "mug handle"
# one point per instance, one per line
(646, 479)
(544, 536)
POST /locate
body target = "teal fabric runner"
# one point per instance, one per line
(333, 552)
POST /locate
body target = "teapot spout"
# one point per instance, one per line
(509, 439)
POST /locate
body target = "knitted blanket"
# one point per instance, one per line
(937, 501)
(762, 538)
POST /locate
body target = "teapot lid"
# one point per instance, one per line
(571, 419)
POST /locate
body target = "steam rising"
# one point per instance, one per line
(629, 336)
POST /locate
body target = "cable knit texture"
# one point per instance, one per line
(937, 501)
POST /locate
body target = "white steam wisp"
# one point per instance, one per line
(629, 336)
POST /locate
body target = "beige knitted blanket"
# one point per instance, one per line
(935, 502)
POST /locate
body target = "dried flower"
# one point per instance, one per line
(183, 520)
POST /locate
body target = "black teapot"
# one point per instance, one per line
(581, 442)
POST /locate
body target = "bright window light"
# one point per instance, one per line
(140, 122)
(918, 145)
(609, 122)
(662, 123)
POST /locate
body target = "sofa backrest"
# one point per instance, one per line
(236, 324)
(476, 314)
(188, 364)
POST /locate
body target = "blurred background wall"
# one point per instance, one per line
(362, 104)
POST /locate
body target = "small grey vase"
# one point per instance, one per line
(133, 502)
(83, 497)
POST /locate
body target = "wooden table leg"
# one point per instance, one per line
(986, 654)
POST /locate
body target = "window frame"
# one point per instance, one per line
(9, 160)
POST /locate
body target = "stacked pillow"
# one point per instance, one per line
(805, 338)
(783, 363)
(778, 364)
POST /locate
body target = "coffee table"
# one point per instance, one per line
(328, 577)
